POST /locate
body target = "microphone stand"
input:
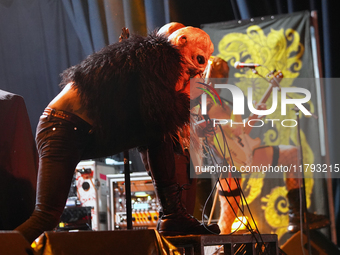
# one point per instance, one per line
(127, 190)
(124, 35)
(303, 198)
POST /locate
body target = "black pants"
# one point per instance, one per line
(61, 145)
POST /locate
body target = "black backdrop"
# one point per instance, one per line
(40, 38)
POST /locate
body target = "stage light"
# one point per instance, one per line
(240, 224)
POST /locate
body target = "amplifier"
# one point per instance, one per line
(78, 217)
(86, 206)
(145, 205)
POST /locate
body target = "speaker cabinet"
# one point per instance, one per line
(132, 242)
(13, 243)
(320, 245)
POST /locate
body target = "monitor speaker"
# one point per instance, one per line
(320, 244)
(138, 242)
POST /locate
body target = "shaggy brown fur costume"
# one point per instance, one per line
(132, 83)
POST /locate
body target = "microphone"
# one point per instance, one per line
(239, 65)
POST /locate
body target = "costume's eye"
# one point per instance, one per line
(200, 59)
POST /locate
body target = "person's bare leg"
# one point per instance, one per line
(229, 196)
(262, 155)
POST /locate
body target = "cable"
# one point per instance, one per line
(218, 180)
(247, 226)
(212, 156)
(242, 194)
(204, 207)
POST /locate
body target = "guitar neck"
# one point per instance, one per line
(273, 83)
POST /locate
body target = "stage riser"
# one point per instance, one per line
(13, 243)
(132, 242)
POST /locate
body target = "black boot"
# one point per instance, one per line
(175, 220)
(315, 221)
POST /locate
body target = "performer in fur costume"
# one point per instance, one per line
(200, 49)
(132, 93)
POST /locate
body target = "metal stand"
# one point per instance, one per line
(303, 200)
(303, 187)
(127, 190)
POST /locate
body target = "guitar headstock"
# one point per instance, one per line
(125, 34)
(276, 78)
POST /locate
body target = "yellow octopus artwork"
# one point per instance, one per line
(278, 50)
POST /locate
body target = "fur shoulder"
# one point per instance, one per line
(139, 75)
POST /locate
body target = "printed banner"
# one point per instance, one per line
(263, 105)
